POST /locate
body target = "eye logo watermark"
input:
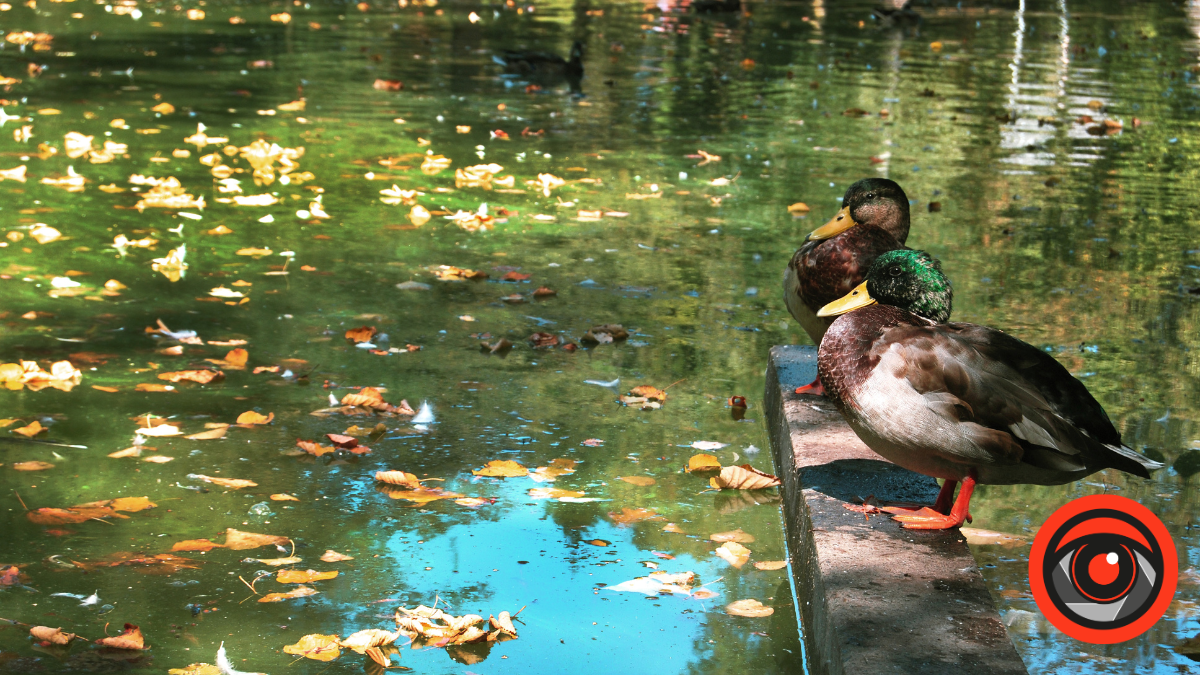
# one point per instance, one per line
(1103, 569)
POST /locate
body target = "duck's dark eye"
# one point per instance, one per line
(894, 271)
(870, 195)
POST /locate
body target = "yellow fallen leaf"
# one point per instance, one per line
(281, 497)
(251, 417)
(770, 565)
(160, 430)
(135, 451)
(749, 608)
(238, 540)
(733, 553)
(316, 647)
(640, 481)
(333, 556)
(798, 207)
(234, 483)
(628, 515)
(52, 635)
(30, 430)
(505, 468)
(303, 577)
(371, 637)
(32, 466)
(733, 535)
(703, 463)
(299, 592)
(211, 434)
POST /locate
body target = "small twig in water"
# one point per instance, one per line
(18, 494)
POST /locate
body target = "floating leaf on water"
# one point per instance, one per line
(502, 468)
(303, 577)
(733, 535)
(398, 478)
(703, 463)
(197, 669)
(196, 545)
(131, 638)
(768, 565)
(237, 540)
(32, 466)
(52, 635)
(371, 637)
(277, 562)
(197, 376)
(251, 417)
(333, 556)
(283, 497)
(299, 592)
(749, 608)
(233, 483)
(744, 477)
(316, 647)
(640, 481)
(628, 515)
(733, 553)
(209, 435)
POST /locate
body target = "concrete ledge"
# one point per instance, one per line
(873, 597)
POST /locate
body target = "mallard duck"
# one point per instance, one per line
(834, 257)
(958, 401)
(543, 65)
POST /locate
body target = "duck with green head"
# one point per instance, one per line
(834, 258)
(957, 401)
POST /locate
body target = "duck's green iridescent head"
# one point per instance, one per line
(907, 279)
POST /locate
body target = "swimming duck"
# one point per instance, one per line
(543, 65)
(958, 401)
(834, 257)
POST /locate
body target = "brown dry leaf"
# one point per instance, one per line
(313, 448)
(555, 493)
(978, 537)
(422, 496)
(768, 565)
(333, 556)
(197, 376)
(362, 334)
(798, 207)
(281, 497)
(646, 391)
(398, 478)
(278, 562)
(733, 553)
(750, 608)
(237, 358)
(640, 481)
(135, 451)
(299, 577)
(703, 463)
(628, 515)
(128, 504)
(152, 386)
(159, 430)
(157, 459)
(558, 467)
(733, 535)
(30, 430)
(32, 466)
(371, 637)
(298, 592)
(52, 635)
(251, 417)
(196, 545)
(107, 390)
(744, 477)
(211, 434)
(53, 516)
(236, 540)
(673, 529)
(233, 483)
(605, 334)
(472, 502)
(130, 639)
(502, 468)
(450, 273)
(376, 654)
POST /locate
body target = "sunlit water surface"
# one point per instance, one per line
(1072, 235)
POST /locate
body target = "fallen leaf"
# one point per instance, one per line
(30, 430)
(196, 545)
(744, 477)
(398, 478)
(598, 542)
(313, 448)
(211, 434)
(197, 669)
(733, 535)
(422, 496)
(672, 528)
(798, 207)
(542, 340)
(770, 565)
(750, 608)
(605, 334)
(281, 497)
(708, 445)
(307, 576)
(236, 540)
(371, 637)
(333, 556)
(978, 537)
(628, 515)
(555, 493)
(558, 467)
(109, 390)
(299, 592)
(362, 334)
(159, 430)
(278, 562)
(157, 459)
(51, 635)
(130, 639)
(649, 392)
(733, 553)
(505, 468)
(135, 451)
(127, 504)
(640, 481)
(233, 483)
(32, 466)
(53, 516)
(251, 417)
(658, 582)
(703, 463)
(593, 442)
(316, 647)
(197, 376)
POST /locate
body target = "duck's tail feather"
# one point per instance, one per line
(1128, 460)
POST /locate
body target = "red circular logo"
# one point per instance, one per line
(1103, 569)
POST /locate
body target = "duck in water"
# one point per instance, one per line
(957, 401)
(834, 257)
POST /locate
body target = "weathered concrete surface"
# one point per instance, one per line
(874, 598)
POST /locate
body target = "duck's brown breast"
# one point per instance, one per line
(833, 267)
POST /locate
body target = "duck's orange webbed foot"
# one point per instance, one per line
(813, 388)
(929, 519)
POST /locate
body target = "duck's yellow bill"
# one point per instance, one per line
(836, 225)
(855, 299)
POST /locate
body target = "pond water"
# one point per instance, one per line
(671, 165)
